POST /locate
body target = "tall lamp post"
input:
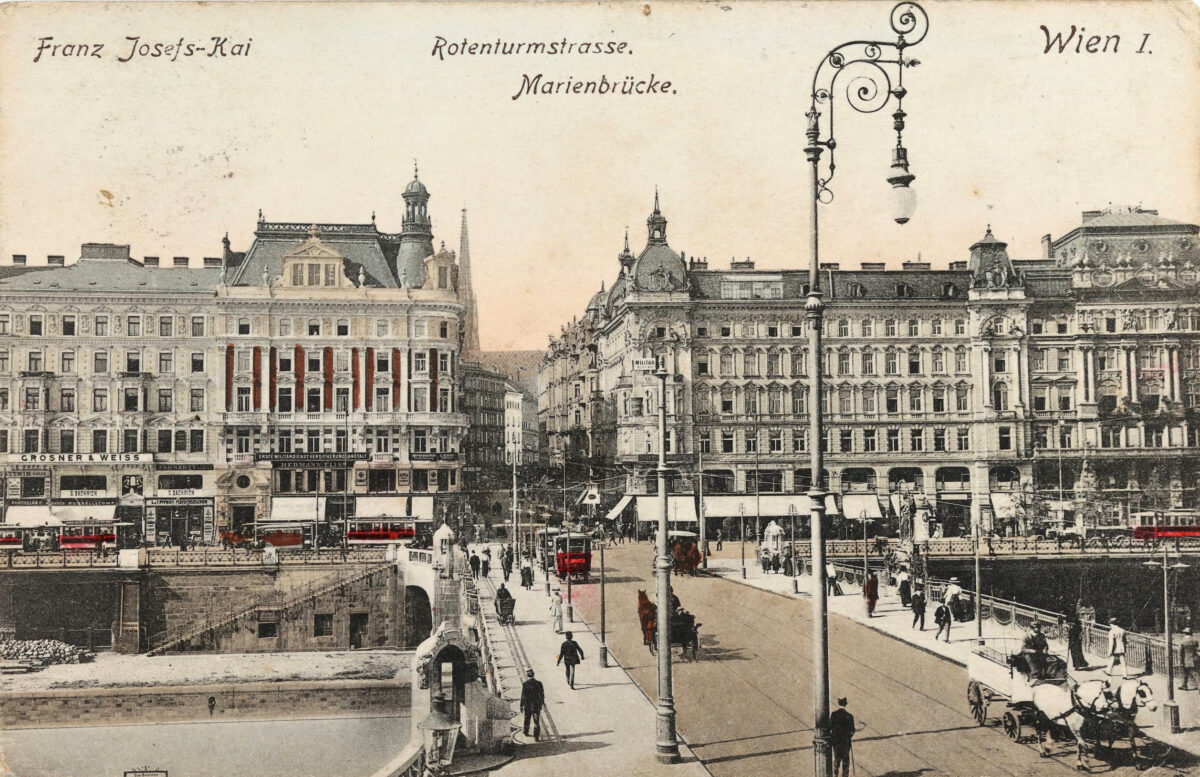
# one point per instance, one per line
(1170, 707)
(666, 744)
(867, 68)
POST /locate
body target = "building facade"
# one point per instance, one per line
(984, 389)
(284, 388)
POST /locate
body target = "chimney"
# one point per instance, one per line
(1047, 251)
(55, 260)
(829, 265)
(19, 259)
(746, 264)
(150, 261)
(180, 261)
(872, 266)
(915, 265)
(111, 251)
(698, 264)
(962, 265)
(212, 262)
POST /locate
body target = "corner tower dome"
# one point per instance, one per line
(658, 267)
(416, 237)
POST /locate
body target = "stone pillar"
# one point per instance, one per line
(985, 373)
(1018, 377)
(1131, 355)
(362, 383)
(1173, 360)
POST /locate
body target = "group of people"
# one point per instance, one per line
(771, 560)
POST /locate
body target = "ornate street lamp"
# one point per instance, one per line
(666, 743)
(865, 69)
(439, 734)
(1170, 706)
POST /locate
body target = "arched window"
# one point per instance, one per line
(857, 291)
(1000, 396)
(949, 290)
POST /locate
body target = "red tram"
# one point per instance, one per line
(573, 556)
(380, 531)
(1170, 525)
(87, 537)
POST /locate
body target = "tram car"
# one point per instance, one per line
(1168, 525)
(87, 537)
(11, 539)
(544, 542)
(380, 531)
(573, 556)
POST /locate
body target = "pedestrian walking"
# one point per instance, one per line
(1075, 643)
(533, 697)
(485, 563)
(474, 562)
(941, 617)
(904, 582)
(570, 655)
(1116, 648)
(556, 611)
(918, 608)
(835, 588)
(775, 563)
(526, 575)
(1187, 660)
(952, 598)
(720, 540)
(871, 593)
(764, 558)
(841, 737)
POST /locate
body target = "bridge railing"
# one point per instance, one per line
(1002, 546)
(199, 557)
(1143, 652)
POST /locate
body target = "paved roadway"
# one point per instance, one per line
(746, 705)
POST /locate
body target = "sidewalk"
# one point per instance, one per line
(603, 727)
(896, 621)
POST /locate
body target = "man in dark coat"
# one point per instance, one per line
(474, 562)
(841, 736)
(569, 655)
(918, 608)
(941, 616)
(1075, 643)
(533, 696)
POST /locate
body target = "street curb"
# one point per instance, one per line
(901, 640)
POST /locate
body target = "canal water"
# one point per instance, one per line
(335, 747)
(1118, 587)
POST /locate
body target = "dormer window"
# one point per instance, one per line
(857, 291)
(949, 290)
(903, 290)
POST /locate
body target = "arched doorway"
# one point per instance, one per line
(418, 616)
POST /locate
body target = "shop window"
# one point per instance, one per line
(181, 482)
(323, 625)
(381, 480)
(32, 487)
(268, 630)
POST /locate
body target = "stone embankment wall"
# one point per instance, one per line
(249, 701)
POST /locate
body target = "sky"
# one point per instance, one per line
(322, 118)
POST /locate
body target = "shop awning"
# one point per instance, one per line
(381, 507)
(858, 505)
(679, 508)
(291, 509)
(619, 507)
(31, 515)
(419, 508)
(767, 505)
(1004, 505)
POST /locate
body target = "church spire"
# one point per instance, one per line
(656, 225)
(466, 293)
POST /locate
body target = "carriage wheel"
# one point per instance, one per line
(1012, 726)
(977, 701)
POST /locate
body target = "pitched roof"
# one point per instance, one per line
(95, 275)
(360, 245)
(521, 367)
(1131, 219)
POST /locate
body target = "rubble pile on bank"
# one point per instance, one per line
(43, 652)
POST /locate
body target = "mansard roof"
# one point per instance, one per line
(109, 275)
(359, 245)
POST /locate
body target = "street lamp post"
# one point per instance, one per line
(795, 553)
(869, 89)
(742, 535)
(1170, 706)
(978, 588)
(603, 641)
(666, 745)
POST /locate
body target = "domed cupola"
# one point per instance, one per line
(658, 267)
(416, 237)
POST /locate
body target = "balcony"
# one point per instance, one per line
(43, 374)
(243, 460)
(134, 374)
(251, 417)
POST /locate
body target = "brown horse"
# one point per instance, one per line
(647, 613)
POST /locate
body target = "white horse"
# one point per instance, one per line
(1095, 699)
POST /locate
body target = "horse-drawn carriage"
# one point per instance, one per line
(1038, 694)
(684, 631)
